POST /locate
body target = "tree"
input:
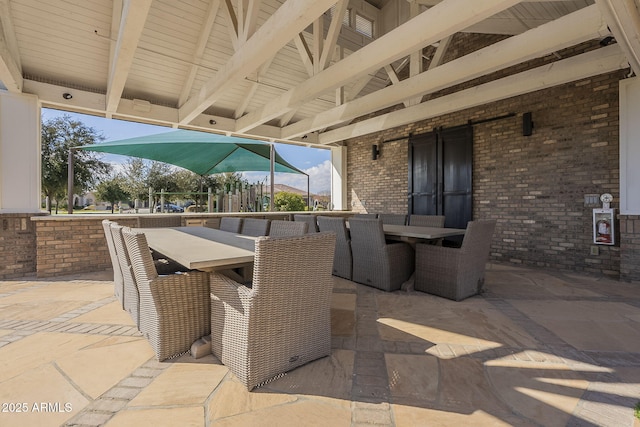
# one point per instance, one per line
(111, 190)
(285, 201)
(59, 136)
(134, 178)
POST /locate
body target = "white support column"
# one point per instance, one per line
(20, 188)
(339, 178)
(629, 146)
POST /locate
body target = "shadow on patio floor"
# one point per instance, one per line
(537, 348)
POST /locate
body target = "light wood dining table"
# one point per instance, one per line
(202, 248)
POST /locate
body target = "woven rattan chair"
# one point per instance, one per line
(131, 296)
(255, 227)
(284, 320)
(342, 260)
(377, 263)
(231, 224)
(281, 228)
(427, 220)
(118, 281)
(159, 220)
(175, 309)
(455, 273)
(366, 215)
(394, 219)
(310, 220)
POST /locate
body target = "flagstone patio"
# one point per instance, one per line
(538, 348)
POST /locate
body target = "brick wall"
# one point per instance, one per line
(17, 246)
(75, 245)
(63, 245)
(534, 186)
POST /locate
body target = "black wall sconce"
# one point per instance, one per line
(527, 124)
(67, 95)
(212, 122)
(374, 152)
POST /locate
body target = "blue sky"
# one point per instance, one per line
(314, 161)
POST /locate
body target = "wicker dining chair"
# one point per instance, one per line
(131, 296)
(366, 215)
(427, 220)
(231, 224)
(455, 273)
(159, 220)
(342, 259)
(394, 219)
(284, 319)
(281, 228)
(118, 281)
(377, 263)
(175, 309)
(311, 220)
(255, 227)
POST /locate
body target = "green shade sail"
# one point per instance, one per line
(199, 152)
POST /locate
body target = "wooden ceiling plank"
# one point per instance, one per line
(430, 26)
(266, 42)
(134, 15)
(607, 59)
(569, 30)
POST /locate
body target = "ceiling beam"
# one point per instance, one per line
(207, 25)
(10, 66)
(572, 29)
(448, 17)
(92, 103)
(134, 15)
(265, 43)
(624, 20)
(604, 60)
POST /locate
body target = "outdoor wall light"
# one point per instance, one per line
(212, 122)
(67, 95)
(304, 136)
(374, 152)
(527, 124)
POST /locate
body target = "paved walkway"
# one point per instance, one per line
(537, 349)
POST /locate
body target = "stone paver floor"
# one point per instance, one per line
(538, 348)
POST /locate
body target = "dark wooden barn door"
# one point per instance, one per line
(440, 175)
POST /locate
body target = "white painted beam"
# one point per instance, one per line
(269, 39)
(432, 25)
(623, 18)
(305, 53)
(10, 65)
(134, 15)
(92, 103)
(572, 29)
(604, 60)
(333, 33)
(212, 12)
(233, 26)
(250, 20)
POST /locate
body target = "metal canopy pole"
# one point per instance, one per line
(70, 182)
(272, 158)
